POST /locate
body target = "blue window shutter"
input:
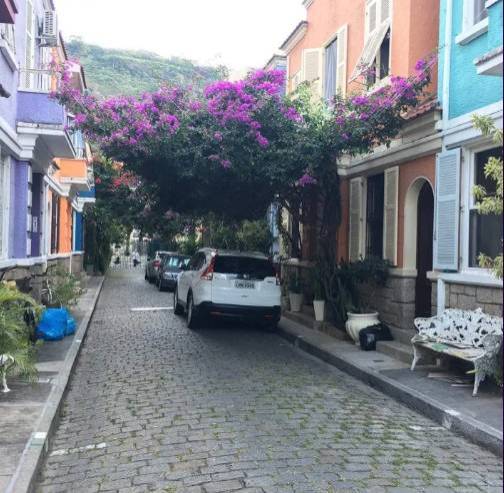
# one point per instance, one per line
(446, 241)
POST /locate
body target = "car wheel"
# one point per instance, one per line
(192, 317)
(178, 309)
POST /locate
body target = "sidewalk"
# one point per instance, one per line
(28, 411)
(478, 419)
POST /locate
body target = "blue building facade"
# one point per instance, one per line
(470, 83)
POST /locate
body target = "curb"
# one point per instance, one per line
(483, 435)
(38, 444)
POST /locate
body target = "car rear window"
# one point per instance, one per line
(244, 267)
(174, 261)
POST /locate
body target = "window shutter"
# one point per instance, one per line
(341, 68)
(385, 10)
(390, 203)
(312, 69)
(355, 220)
(371, 16)
(446, 241)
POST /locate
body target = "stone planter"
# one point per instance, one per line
(358, 321)
(296, 301)
(319, 308)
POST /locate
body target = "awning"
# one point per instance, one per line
(371, 49)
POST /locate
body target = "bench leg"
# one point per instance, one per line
(478, 378)
(416, 357)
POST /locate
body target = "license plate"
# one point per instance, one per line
(244, 284)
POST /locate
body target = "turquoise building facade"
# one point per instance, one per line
(470, 83)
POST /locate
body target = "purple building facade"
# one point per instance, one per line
(33, 132)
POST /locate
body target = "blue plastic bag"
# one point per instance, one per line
(71, 326)
(53, 325)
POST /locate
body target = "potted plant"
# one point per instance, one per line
(343, 284)
(373, 272)
(318, 295)
(295, 293)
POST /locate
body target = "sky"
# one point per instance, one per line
(237, 33)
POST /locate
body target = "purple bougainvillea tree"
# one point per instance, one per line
(236, 147)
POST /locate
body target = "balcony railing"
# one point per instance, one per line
(37, 80)
(7, 35)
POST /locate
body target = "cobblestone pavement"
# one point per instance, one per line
(154, 406)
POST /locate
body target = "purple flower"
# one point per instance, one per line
(420, 65)
(218, 136)
(261, 140)
(305, 180)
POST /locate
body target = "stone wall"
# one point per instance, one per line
(29, 280)
(468, 297)
(395, 302)
(77, 264)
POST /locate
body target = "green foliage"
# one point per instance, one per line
(490, 203)
(65, 288)
(295, 283)
(189, 245)
(245, 236)
(317, 277)
(342, 283)
(113, 72)
(19, 314)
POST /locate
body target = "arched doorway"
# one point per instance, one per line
(424, 239)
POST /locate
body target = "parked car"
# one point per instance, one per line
(223, 283)
(169, 270)
(153, 264)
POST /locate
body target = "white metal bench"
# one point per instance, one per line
(468, 335)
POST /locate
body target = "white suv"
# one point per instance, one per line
(224, 283)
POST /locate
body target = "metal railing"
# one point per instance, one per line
(7, 34)
(39, 80)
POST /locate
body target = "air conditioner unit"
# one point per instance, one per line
(50, 28)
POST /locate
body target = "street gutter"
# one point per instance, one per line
(312, 342)
(35, 451)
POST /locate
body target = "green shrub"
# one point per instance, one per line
(19, 313)
(64, 288)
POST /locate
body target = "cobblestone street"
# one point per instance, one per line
(153, 406)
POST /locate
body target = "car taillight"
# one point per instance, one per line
(208, 272)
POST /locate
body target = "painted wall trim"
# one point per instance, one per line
(484, 279)
(473, 32)
(22, 262)
(396, 155)
(447, 65)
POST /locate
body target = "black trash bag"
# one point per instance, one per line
(370, 335)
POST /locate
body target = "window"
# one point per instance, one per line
(374, 61)
(331, 62)
(244, 267)
(4, 203)
(479, 12)
(485, 231)
(374, 215)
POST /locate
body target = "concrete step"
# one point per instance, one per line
(396, 349)
(402, 335)
(309, 321)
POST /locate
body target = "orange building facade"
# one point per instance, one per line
(387, 196)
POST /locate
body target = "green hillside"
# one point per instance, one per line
(112, 72)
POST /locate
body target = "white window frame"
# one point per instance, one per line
(469, 204)
(470, 29)
(5, 196)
